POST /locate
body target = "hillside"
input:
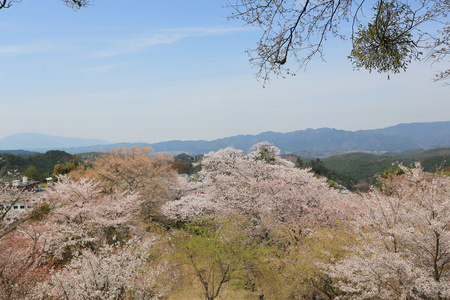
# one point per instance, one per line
(364, 166)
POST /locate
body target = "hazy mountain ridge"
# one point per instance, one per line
(43, 142)
(433, 133)
(397, 138)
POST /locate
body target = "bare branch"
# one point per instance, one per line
(296, 31)
(74, 4)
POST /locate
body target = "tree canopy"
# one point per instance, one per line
(74, 4)
(397, 33)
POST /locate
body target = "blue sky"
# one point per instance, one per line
(162, 70)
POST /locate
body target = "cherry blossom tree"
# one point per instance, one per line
(258, 185)
(82, 227)
(78, 226)
(83, 217)
(20, 258)
(137, 170)
(111, 272)
(403, 251)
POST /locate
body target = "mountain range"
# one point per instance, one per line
(320, 142)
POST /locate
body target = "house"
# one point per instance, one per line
(24, 184)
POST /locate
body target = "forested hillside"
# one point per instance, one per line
(363, 166)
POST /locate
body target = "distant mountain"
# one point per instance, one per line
(43, 142)
(424, 134)
(320, 142)
(328, 141)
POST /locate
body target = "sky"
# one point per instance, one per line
(152, 71)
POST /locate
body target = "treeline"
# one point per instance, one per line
(355, 171)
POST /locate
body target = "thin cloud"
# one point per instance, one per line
(208, 30)
(35, 47)
(131, 45)
(163, 37)
(119, 46)
(100, 69)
